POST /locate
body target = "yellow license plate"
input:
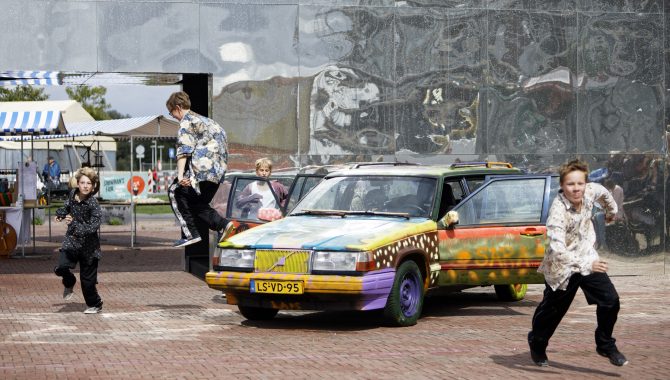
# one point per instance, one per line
(277, 287)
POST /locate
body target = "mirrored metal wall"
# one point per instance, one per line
(432, 81)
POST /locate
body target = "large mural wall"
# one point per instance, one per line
(431, 81)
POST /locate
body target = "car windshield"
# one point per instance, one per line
(370, 195)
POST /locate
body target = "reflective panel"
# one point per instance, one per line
(48, 36)
(545, 5)
(148, 37)
(620, 99)
(347, 55)
(250, 49)
(648, 6)
(440, 65)
(529, 44)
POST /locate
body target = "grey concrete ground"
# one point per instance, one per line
(159, 322)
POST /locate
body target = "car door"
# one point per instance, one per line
(501, 234)
(244, 211)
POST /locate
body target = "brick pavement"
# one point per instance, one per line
(161, 323)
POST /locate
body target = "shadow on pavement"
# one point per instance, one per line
(325, 321)
(521, 361)
(471, 304)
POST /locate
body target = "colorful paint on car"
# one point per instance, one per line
(336, 252)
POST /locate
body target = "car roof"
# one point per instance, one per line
(447, 170)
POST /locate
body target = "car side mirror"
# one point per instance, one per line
(450, 220)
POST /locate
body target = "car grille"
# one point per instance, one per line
(281, 261)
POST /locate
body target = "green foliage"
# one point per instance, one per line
(114, 221)
(92, 99)
(37, 221)
(22, 93)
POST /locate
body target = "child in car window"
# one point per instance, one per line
(257, 195)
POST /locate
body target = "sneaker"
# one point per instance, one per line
(614, 356)
(185, 242)
(227, 231)
(539, 356)
(93, 309)
(68, 293)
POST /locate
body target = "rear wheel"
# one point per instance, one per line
(511, 292)
(257, 313)
(403, 307)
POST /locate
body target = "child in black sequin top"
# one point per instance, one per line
(81, 244)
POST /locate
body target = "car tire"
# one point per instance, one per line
(405, 301)
(253, 313)
(511, 292)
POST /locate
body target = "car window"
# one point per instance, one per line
(474, 183)
(504, 201)
(303, 184)
(391, 194)
(452, 194)
(252, 196)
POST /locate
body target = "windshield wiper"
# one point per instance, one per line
(319, 212)
(380, 213)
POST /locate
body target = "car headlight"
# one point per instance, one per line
(333, 261)
(242, 259)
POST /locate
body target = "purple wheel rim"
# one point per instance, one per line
(409, 295)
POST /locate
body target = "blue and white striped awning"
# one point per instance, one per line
(31, 122)
(29, 78)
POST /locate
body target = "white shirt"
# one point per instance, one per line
(268, 200)
(571, 236)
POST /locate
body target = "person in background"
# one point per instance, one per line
(571, 262)
(82, 214)
(617, 193)
(51, 172)
(202, 156)
(257, 194)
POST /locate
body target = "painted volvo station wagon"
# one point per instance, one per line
(381, 238)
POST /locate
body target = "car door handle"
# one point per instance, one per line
(531, 232)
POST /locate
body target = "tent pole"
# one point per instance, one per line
(20, 197)
(48, 205)
(132, 201)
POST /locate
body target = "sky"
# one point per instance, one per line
(134, 100)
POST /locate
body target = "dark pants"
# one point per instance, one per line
(88, 274)
(187, 204)
(598, 290)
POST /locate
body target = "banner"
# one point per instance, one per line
(118, 186)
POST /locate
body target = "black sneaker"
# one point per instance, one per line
(614, 356)
(539, 356)
(68, 293)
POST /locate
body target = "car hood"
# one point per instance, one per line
(330, 233)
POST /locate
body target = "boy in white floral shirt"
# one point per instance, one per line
(571, 262)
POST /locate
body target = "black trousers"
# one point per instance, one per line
(88, 274)
(598, 289)
(187, 204)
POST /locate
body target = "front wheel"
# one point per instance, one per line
(403, 307)
(511, 292)
(253, 313)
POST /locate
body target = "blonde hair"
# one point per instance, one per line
(88, 172)
(264, 161)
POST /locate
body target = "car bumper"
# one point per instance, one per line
(321, 292)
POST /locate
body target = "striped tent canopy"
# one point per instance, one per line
(30, 78)
(31, 123)
(157, 126)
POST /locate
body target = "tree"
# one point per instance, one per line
(22, 93)
(92, 99)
